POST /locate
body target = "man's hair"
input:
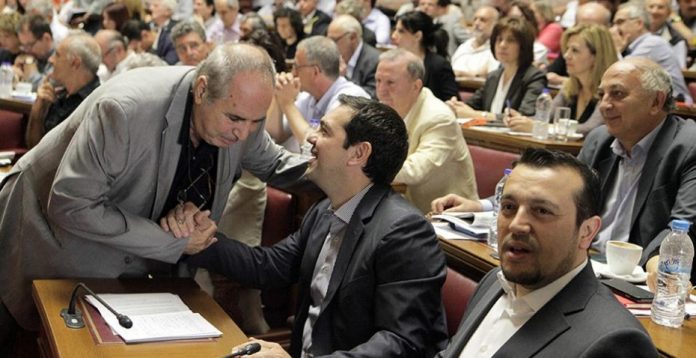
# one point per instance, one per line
(86, 48)
(186, 27)
(231, 3)
(257, 22)
(36, 24)
(170, 4)
(383, 128)
(522, 32)
(588, 200)
(40, 7)
(118, 13)
(353, 8)
(348, 23)
(321, 51)
(113, 39)
(414, 66)
(228, 60)
(143, 59)
(594, 8)
(654, 78)
(636, 11)
(272, 43)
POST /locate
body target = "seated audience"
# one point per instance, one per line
(375, 20)
(360, 290)
(74, 77)
(660, 12)
(522, 10)
(634, 40)
(315, 21)
(37, 44)
(114, 16)
(138, 35)
(360, 59)
(589, 51)
(474, 57)
(226, 28)
(250, 22)
(445, 13)
(416, 32)
(115, 54)
(266, 11)
(544, 300)
(316, 74)
(162, 11)
(204, 13)
(550, 31)
(438, 159)
(44, 8)
(355, 9)
(516, 84)
(9, 42)
(288, 24)
(190, 43)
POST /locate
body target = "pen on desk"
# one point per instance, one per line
(507, 107)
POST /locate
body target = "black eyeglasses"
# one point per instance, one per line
(201, 199)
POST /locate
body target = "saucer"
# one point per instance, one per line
(638, 275)
(575, 136)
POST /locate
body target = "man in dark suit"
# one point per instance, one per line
(360, 59)
(545, 300)
(368, 264)
(162, 11)
(315, 21)
(645, 157)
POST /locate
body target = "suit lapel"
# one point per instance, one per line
(513, 94)
(492, 87)
(170, 150)
(655, 153)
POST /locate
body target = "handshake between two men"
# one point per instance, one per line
(188, 221)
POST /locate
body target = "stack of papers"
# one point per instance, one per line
(155, 316)
(474, 226)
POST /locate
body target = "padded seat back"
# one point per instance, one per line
(489, 165)
(456, 293)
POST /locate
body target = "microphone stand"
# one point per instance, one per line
(73, 317)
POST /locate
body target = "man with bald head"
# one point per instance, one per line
(474, 57)
(360, 58)
(115, 53)
(438, 159)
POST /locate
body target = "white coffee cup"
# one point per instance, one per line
(572, 127)
(623, 257)
(23, 88)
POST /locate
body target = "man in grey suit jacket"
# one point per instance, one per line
(645, 158)
(360, 59)
(545, 301)
(85, 202)
(368, 264)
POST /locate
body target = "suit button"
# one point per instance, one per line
(128, 260)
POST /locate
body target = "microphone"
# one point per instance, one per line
(73, 317)
(248, 349)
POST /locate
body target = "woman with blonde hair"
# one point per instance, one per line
(589, 51)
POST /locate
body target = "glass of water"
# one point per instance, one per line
(561, 120)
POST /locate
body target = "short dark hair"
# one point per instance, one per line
(523, 33)
(132, 29)
(295, 20)
(588, 201)
(118, 12)
(37, 24)
(384, 129)
(272, 43)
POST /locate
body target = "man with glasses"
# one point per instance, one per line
(115, 54)
(74, 77)
(87, 201)
(633, 39)
(36, 43)
(316, 74)
(360, 59)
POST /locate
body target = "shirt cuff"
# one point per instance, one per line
(486, 205)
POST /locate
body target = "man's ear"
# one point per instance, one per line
(199, 89)
(360, 153)
(587, 231)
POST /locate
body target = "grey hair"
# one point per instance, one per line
(231, 3)
(144, 59)
(86, 48)
(186, 27)
(414, 65)
(42, 7)
(320, 50)
(654, 78)
(636, 11)
(348, 23)
(257, 22)
(228, 60)
(170, 4)
(353, 8)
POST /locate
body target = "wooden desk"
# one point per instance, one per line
(515, 144)
(56, 340)
(474, 257)
(15, 105)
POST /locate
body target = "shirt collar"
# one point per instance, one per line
(89, 87)
(539, 297)
(641, 148)
(345, 212)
